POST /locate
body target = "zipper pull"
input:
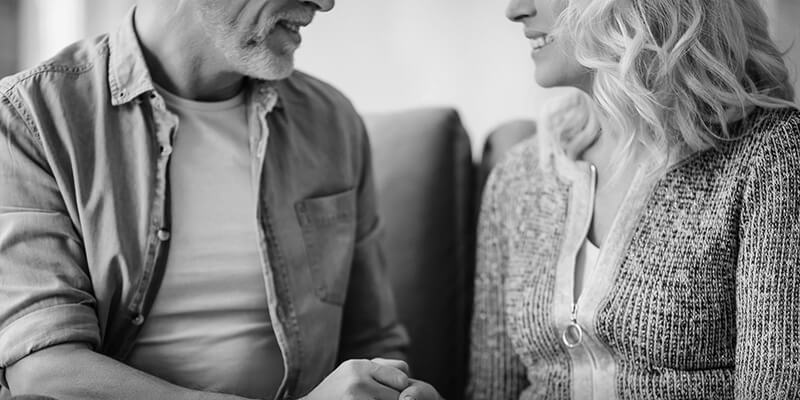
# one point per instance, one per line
(572, 336)
(573, 316)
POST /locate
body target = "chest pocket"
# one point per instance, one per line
(329, 232)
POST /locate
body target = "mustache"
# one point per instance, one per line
(298, 16)
(301, 16)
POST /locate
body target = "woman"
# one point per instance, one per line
(646, 245)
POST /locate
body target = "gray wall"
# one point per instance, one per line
(784, 16)
(9, 36)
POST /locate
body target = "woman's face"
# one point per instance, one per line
(554, 57)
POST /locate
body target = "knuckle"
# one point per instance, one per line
(351, 365)
(404, 365)
(343, 366)
(371, 367)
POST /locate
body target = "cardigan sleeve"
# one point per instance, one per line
(496, 372)
(768, 271)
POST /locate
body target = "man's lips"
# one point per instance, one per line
(292, 22)
(291, 26)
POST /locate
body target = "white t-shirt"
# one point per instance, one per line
(209, 327)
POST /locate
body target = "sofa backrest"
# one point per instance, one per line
(424, 177)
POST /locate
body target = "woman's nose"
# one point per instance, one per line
(320, 5)
(518, 10)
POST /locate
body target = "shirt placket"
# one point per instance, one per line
(264, 101)
(165, 124)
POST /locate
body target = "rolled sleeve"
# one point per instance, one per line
(46, 295)
(63, 323)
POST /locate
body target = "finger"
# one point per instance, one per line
(380, 391)
(389, 376)
(411, 393)
(399, 364)
(419, 390)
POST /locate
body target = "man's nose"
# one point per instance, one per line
(518, 10)
(320, 5)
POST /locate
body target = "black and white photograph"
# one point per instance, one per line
(399, 200)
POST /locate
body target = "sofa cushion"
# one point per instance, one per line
(424, 178)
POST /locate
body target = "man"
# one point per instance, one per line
(183, 216)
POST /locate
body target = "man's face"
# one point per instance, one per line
(258, 37)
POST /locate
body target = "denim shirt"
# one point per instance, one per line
(85, 145)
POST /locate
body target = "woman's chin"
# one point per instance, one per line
(558, 78)
(547, 81)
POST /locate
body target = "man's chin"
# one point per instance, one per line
(272, 76)
(278, 75)
(270, 69)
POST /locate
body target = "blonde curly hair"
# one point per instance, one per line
(673, 73)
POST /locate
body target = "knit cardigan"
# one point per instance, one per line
(696, 293)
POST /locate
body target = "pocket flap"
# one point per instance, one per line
(327, 209)
(328, 224)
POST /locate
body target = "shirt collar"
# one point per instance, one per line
(129, 77)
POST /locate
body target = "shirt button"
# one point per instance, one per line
(163, 235)
(138, 320)
(166, 150)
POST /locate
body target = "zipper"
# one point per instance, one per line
(572, 336)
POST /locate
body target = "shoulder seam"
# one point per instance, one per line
(19, 109)
(46, 67)
(43, 69)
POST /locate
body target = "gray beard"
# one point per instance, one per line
(261, 63)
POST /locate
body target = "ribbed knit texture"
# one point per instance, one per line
(705, 303)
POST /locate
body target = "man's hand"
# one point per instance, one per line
(363, 379)
(419, 390)
(416, 390)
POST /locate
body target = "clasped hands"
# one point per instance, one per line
(378, 379)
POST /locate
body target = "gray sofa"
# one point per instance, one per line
(428, 191)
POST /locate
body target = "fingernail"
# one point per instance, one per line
(408, 397)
